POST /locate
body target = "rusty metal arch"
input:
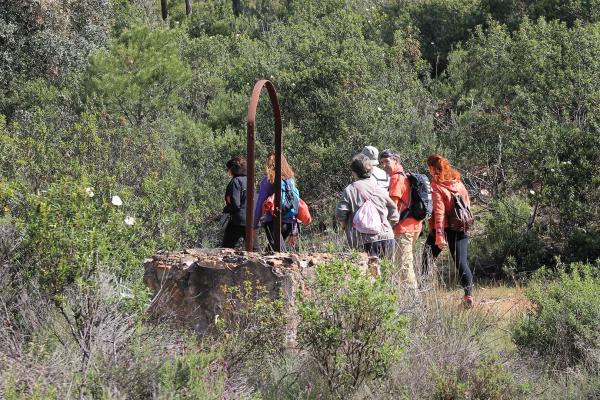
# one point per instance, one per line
(251, 158)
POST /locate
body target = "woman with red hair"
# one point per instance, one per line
(445, 183)
(289, 224)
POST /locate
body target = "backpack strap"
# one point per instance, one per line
(406, 212)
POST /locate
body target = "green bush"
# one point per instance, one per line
(510, 241)
(583, 246)
(350, 325)
(563, 324)
(524, 104)
(74, 230)
(489, 380)
(193, 375)
(252, 327)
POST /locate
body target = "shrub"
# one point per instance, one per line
(73, 231)
(563, 324)
(350, 326)
(95, 344)
(583, 246)
(193, 375)
(509, 240)
(489, 380)
(252, 327)
(449, 349)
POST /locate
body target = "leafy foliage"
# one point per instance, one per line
(141, 78)
(350, 326)
(523, 104)
(510, 238)
(71, 235)
(563, 323)
(253, 325)
(489, 380)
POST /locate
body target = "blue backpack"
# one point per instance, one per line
(290, 199)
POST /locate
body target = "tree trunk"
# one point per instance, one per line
(237, 7)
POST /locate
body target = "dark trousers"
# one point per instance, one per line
(457, 244)
(286, 230)
(381, 249)
(232, 235)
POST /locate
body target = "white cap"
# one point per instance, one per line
(372, 153)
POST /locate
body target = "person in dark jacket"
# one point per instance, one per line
(235, 202)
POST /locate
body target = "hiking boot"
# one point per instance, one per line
(468, 301)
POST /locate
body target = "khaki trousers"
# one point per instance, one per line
(403, 258)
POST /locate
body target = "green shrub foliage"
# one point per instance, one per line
(350, 325)
(563, 323)
(488, 380)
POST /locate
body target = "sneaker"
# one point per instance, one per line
(468, 301)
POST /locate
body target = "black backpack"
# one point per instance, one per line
(420, 203)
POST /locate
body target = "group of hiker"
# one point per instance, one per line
(234, 212)
(382, 211)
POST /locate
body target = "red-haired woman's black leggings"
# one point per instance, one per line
(458, 243)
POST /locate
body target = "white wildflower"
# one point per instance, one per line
(116, 200)
(379, 109)
(484, 192)
(216, 318)
(532, 192)
(129, 220)
(89, 191)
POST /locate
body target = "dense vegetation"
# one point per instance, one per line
(115, 126)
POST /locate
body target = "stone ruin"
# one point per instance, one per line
(187, 286)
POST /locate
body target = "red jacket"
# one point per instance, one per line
(443, 203)
(400, 194)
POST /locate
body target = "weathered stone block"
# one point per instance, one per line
(188, 285)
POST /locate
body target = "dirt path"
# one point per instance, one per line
(505, 302)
